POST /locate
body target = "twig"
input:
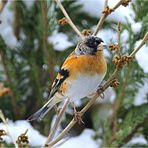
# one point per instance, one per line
(145, 39)
(119, 31)
(106, 13)
(2, 5)
(99, 92)
(69, 19)
(102, 19)
(57, 122)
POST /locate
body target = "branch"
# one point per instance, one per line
(145, 39)
(2, 5)
(119, 31)
(107, 11)
(69, 19)
(57, 122)
(99, 92)
(102, 19)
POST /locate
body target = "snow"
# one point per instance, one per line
(138, 139)
(29, 3)
(136, 27)
(141, 96)
(83, 140)
(142, 56)
(36, 139)
(124, 36)
(18, 127)
(107, 35)
(95, 8)
(59, 41)
(6, 30)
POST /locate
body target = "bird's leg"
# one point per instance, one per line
(56, 109)
(77, 115)
(100, 88)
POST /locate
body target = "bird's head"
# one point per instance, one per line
(89, 46)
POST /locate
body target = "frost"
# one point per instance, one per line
(59, 41)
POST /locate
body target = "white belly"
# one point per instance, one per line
(83, 86)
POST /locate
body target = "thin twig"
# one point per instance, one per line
(69, 19)
(103, 17)
(105, 4)
(2, 5)
(100, 91)
(58, 121)
(119, 31)
(145, 39)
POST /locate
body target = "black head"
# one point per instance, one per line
(88, 46)
(93, 42)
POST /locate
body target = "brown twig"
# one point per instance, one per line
(99, 92)
(69, 19)
(107, 11)
(2, 5)
(102, 19)
(145, 39)
(119, 31)
(57, 122)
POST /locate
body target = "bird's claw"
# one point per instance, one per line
(78, 118)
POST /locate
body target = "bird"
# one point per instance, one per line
(79, 76)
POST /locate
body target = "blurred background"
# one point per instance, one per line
(33, 46)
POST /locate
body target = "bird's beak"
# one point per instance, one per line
(102, 46)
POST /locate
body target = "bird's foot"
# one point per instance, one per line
(78, 118)
(77, 115)
(100, 91)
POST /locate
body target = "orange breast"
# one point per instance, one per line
(86, 64)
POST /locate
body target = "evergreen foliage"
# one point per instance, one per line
(29, 70)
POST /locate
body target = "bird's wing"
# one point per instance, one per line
(62, 75)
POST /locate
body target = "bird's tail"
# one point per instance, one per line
(39, 115)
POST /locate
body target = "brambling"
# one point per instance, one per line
(79, 76)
